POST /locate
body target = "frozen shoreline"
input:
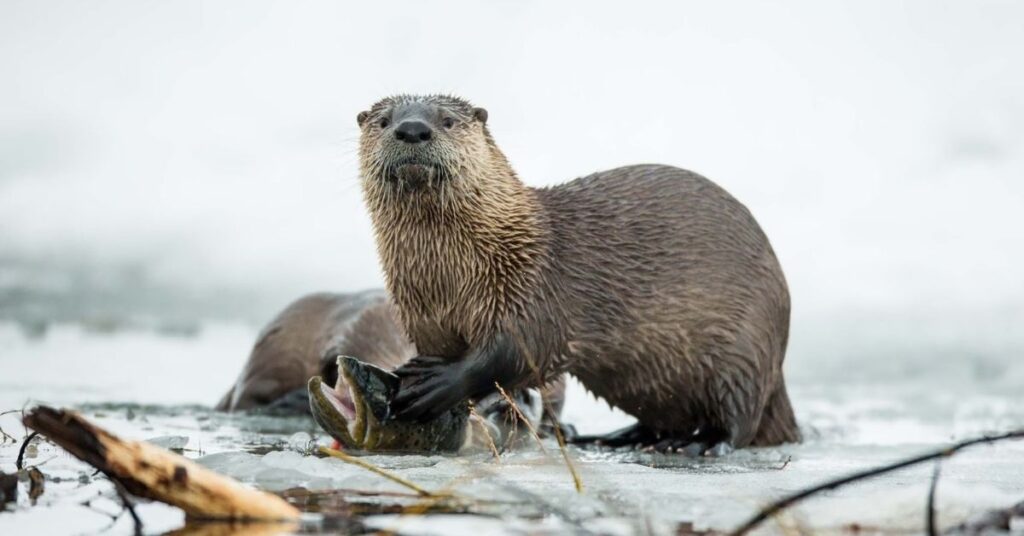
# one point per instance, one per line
(849, 424)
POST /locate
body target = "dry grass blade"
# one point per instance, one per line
(487, 433)
(382, 472)
(576, 480)
(519, 414)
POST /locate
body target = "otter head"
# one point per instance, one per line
(424, 144)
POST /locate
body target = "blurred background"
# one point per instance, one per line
(172, 173)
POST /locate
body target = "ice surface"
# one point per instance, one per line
(848, 424)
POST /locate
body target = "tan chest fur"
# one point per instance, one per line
(454, 277)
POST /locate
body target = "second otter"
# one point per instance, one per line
(651, 284)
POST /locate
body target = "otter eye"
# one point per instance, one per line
(448, 122)
(384, 122)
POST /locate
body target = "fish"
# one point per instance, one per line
(355, 413)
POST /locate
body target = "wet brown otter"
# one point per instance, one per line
(304, 340)
(651, 284)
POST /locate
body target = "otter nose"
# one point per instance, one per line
(413, 131)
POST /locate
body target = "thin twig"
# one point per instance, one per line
(487, 433)
(123, 494)
(4, 436)
(932, 525)
(512, 434)
(519, 413)
(576, 480)
(777, 506)
(20, 462)
(374, 469)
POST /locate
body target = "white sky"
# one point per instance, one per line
(880, 144)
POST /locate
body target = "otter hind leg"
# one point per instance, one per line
(778, 424)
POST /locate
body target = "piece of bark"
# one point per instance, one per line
(36, 483)
(148, 471)
(8, 488)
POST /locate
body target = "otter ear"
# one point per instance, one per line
(361, 117)
(480, 115)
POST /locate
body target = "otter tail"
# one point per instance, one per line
(778, 424)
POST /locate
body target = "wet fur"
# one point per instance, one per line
(293, 346)
(651, 284)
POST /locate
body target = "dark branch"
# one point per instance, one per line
(20, 462)
(776, 507)
(122, 493)
(933, 529)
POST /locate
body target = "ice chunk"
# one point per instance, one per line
(172, 442)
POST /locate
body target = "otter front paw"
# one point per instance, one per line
(430, 387)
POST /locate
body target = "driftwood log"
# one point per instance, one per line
(146, 470)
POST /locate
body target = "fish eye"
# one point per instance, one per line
(384, 122)
(448, 122)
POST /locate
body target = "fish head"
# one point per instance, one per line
(355, 411)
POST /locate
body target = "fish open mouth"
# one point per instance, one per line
(338, 410)
(341, 398)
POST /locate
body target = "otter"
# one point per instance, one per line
(303, 341)
(649, 283)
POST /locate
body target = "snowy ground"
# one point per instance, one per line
(142, 383)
